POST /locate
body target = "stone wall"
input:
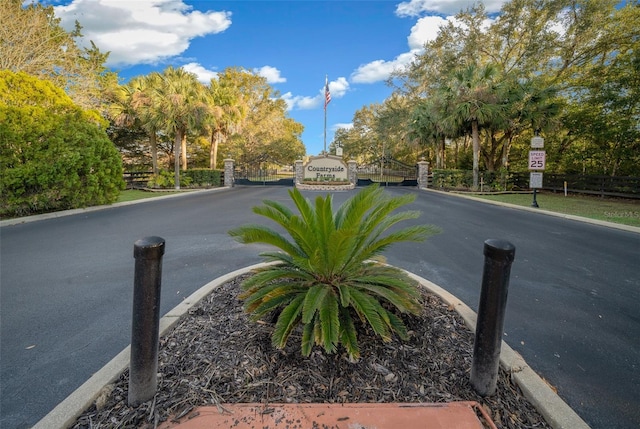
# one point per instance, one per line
(423, 175)
(299, 173)
(228, 172)
(352, 172)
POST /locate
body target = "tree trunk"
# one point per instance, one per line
(506, 149)
(213, 150)
(184, 151)
(476, 153)
(154, 150)
(176, 158)
(491, 157)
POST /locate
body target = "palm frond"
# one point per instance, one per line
(307, 339)
(257, 300)
(343, 246)
(345, 295)
(317, 331)
(348, 336)
(376, 217)
(313, 301)
(288, 319)
(279, 256)
(304, 207)
(368, 309)
(403, 302)
(376, 245)
(398, 326)
(264, 307)
(275, 211)
(262, 234)
(304, 236)
(350, 214)
(266, 275)
(283, 216)
(330, 322)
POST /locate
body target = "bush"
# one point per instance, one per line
(330, 276)
(452, 179)
(203, 177)
(166, 179)
(463, 180)
(54, 161)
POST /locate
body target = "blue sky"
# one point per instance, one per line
(294, 44)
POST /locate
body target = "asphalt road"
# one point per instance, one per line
(66, 290)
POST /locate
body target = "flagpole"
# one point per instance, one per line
(325, 130)
(326, 83)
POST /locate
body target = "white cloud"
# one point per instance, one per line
(271, 73)
(415, 8)
(337, 88)
(300, 102)
(141, 31)
(425, 30)
(203, 74)
(338, 126)
(379, 70)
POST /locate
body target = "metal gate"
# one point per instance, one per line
(264, 174)
(388, 172)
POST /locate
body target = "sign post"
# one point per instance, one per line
(537, 161)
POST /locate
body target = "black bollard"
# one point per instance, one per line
(145, 322)
(498, 255)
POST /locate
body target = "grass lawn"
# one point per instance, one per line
(135, 194)
(618, 210)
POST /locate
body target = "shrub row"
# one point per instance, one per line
(463, 179)
(200, 177)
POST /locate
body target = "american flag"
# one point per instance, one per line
(327, 94)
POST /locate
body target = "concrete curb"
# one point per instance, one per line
(557, 413)
(64, 213)
(622, 227)
(67, 412)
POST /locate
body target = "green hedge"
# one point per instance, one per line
(197, 177)
(463, 180)
(54, 161)
(204, 177)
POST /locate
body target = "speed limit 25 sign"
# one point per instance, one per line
(536, 159)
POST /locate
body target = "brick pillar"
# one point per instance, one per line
(352, 172)
(423, 174)
(299, 172)
(228, 173)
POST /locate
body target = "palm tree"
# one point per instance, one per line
(530, 104)
(144, 104)
(429, 127)
(132, 106)
(330, 276)
(179, 107)
(225, 116)
(473, 97)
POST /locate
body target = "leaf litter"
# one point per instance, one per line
(216, 355)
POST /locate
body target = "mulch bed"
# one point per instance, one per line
(216, 355)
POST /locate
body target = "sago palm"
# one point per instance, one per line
(329, 272)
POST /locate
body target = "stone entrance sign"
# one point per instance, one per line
(327, 167)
